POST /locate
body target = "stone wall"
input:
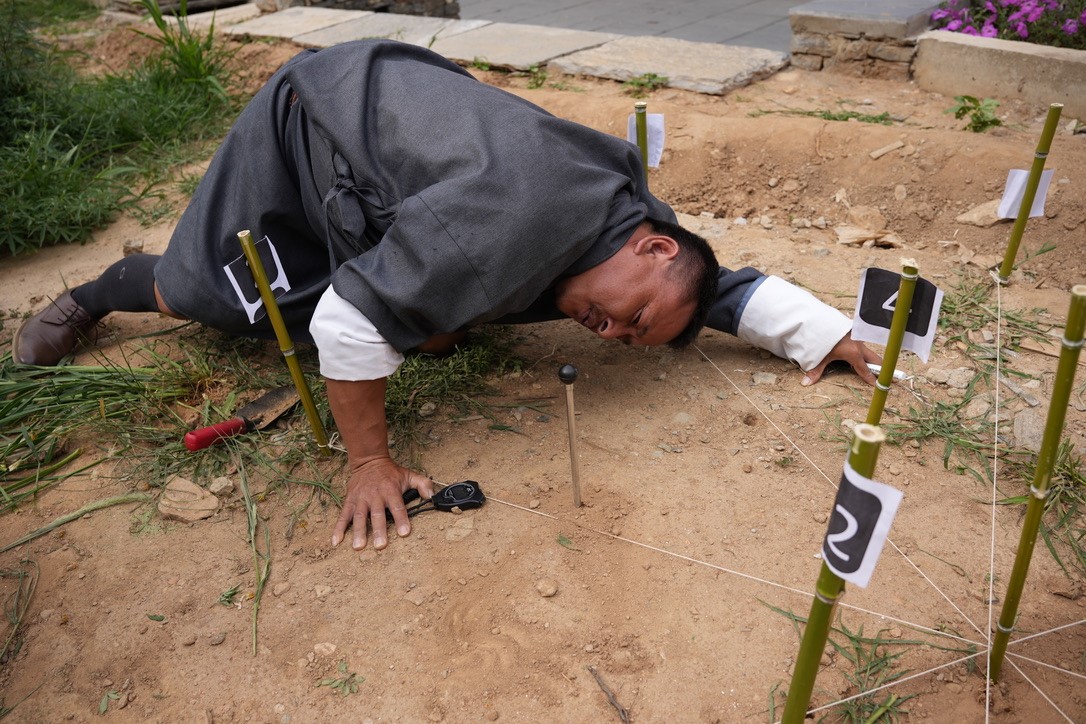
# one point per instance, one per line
(859, 37)
(889, 58)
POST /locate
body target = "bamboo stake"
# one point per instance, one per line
(909, 274)
(286, 346)
(1032, 181)
(1050, 443)
(642, 122)
(862, 455)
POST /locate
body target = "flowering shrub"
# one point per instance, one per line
(1045, 22)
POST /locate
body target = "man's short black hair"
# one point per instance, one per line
(697, 268)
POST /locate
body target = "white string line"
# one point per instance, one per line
(740, 574)
(895, 682)
(819, 470)
(995, 493)
(1050, 666)
(1046, 698)
(1043, 633)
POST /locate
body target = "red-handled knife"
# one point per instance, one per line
(255, 416)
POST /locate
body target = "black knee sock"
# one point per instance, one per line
(126, 286)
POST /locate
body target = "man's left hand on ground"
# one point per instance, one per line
(850, 351)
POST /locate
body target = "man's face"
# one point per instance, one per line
(629, 297)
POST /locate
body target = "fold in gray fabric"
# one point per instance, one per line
(431, 201)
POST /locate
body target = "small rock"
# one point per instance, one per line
(417, 596)
(460, 529)
(983, 216)
(820, 518)
(790, 185)
(132, 246)
(427, 409)
(189, 640)
(321, 591)
(960, 378)
(546, 587)
(764, 378)
(533, 503)
(221, 487)
(747, 467)
(186, 501)
(900, 192)
(324, 649)
(280, 588)
(589, 648)
(367, 554)
(820, 223)
(773, 182)
(954, 687)
(682, 419)
(216, 638)
(492, 715)
(1029, 429)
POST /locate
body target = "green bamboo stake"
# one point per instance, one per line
(642, 122)
(1050, 443)
(909, 274)
(1032, 181)
(286, 346)
(862, 455)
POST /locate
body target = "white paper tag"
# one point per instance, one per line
(654, 126)
(862, 514)
(1011, 202)
(241, 279)
(875, 304)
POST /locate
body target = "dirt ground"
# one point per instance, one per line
(706, 490)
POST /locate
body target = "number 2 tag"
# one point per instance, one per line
(862, 514)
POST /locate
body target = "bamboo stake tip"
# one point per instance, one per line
(869, 433)
(1079, 290)
(908, 262)
(243, 233)
(641, 105)
(1056, 105)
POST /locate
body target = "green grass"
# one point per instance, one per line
(76, 150)
(880, 118)
(644, 84)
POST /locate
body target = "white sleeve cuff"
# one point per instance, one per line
(791, 323)
(349, 346)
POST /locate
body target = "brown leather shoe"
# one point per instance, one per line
(54, 333)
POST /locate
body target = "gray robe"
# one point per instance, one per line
(430, 201)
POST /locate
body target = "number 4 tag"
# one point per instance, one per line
(862, 514)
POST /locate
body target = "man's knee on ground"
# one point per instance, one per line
(442, 344)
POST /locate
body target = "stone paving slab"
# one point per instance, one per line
(699, 67)
(880, 19)
(407, 28)
(520, 47)
(221, 17)
(293, 22)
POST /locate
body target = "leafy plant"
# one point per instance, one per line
(981, 113)
(227, 597)
(537, 77)
(197, 59)
(1058, 23)
(103, 705)
(644, 84)
(346, 683)
(479, 63)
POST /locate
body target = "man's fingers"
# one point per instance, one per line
(424, 485)
(342, 522)
(359, 526)
(814, 375)
(400, 519)
(377, 520)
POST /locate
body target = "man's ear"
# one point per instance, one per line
(657, 245)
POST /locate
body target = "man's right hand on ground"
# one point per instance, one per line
(374, 486)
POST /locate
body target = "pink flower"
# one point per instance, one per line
(970, 30)
(989, 30)
(1070, 26)
(954, 24)
(1022, 30)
